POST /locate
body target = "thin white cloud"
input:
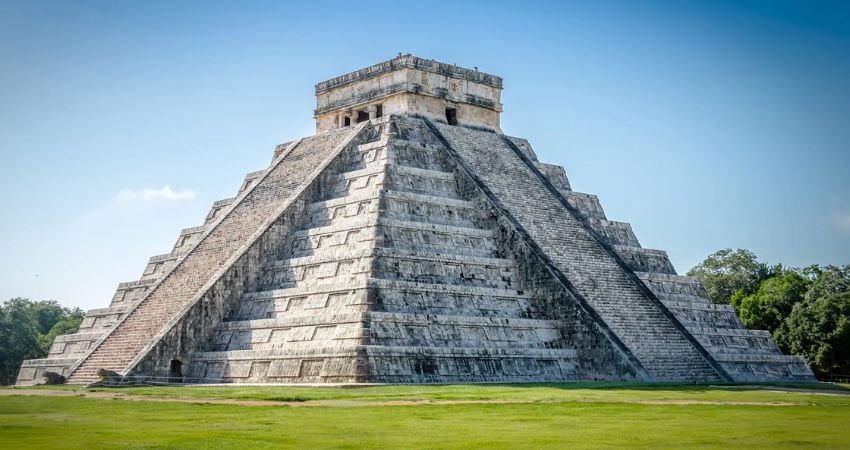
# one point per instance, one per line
(165, 194)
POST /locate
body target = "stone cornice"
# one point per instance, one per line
(382, 92)
(410, 62)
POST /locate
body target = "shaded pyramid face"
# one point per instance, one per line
(405, 250)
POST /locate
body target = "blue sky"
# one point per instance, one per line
(705, 124)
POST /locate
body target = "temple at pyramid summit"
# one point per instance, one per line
(410, 241)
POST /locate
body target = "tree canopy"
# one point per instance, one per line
(27, 330)
(820, 331)
(772, 302)
(728, 271)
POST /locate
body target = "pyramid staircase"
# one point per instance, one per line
(392, 277)
(407, 251)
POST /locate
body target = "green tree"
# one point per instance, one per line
(18, 337)
(67, 324)
(827, 280)
(773, 301)
(728, 271)
(820, 331)
(27, 330)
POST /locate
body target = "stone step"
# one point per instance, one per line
(414, 154)
(430, 267)
(409, 197)
(699, 306)
(130, 292)
(387, 329)
(465, 352)
(436, 238)
(614, 233)
(392, 263)
(398, 205)
(218, 208)
(411, 364)
(377, 316)
(642, 259)
(405, 329)
(674, 287)
(393, 176)
(385, 222)
(338, 296)
(188, 238)
(368, 231)
(397, 364)
(434, 298)
(760, 358)
(695, 319)
(251, 177)
(404, 178)
(587, 204)
(391, 296)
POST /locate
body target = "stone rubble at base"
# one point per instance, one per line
(412, 243)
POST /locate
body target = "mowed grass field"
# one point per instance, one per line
(454, 416)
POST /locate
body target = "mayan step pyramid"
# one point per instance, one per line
(410, 241)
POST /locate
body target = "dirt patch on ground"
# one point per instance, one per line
(712, 402)
(226, 401)
(342, 403)
(802, 390)
(147, 398)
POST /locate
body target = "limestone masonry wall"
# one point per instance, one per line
(408, 84)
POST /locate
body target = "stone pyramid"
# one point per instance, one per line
(410, 241)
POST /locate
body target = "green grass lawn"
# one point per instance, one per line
(553, 416)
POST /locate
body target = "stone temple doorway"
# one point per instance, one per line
(175, 371)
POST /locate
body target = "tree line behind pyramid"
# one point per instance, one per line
(411, 241)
